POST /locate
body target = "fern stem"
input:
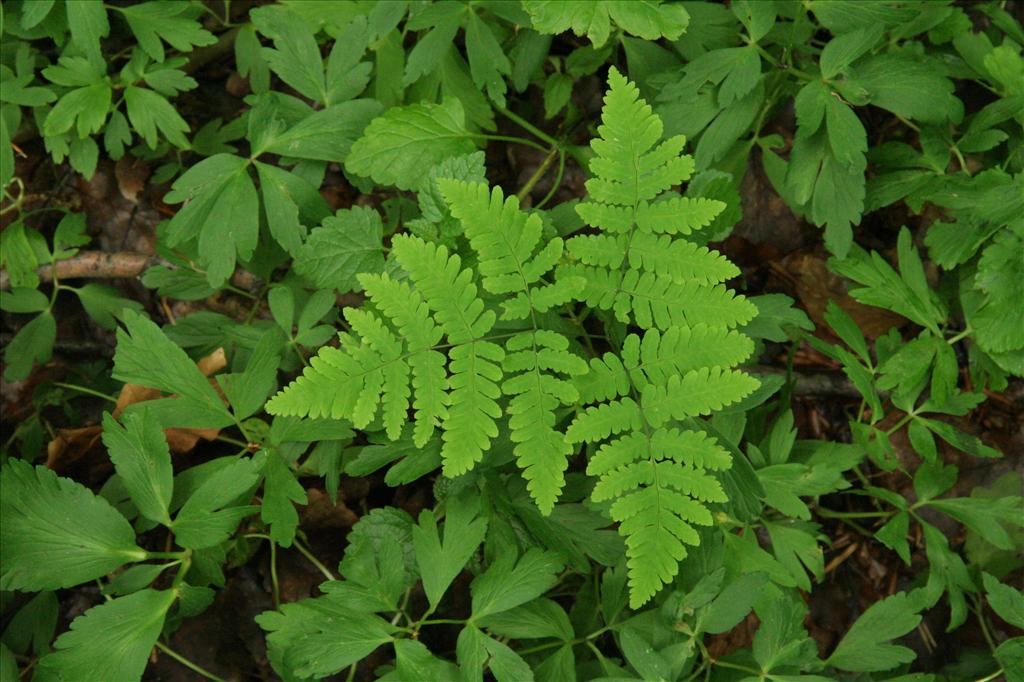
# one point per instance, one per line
(187, 663)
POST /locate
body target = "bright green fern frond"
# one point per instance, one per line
(639, 266)
(506, 241)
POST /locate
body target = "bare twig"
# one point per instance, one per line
(93, 265)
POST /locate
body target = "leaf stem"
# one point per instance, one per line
(313, 560)
(962, 335)
(510, 138)
(829, 514)
(187, 663)
(527, 126)
(538, 174)
(83, 389)
(558, 180)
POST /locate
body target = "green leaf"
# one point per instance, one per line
(169, 21)
(111, 641)
(295, 56)
(917, 90)
(845, 49)
(88, 23)
(441, 560)
(319, 637)
(33, 343)
(222, 214)
(147, 357)
(280, 490)
(149, 112)
(734, 603)
(487, 61)
(972, 445)
(644, 18)
(326, 135)
(894, 535)
(535, 620)
(346, 76)
(56, 533)
(248, 390)
(31, 629)
(142, 459)
(208, 517)
(396, 147)
(88, 106)
(641, 654)
(864, 648)
(506, 665)
(1006, 601)
(414, 661)
(510, 582)
(1010, 654)
(104, 304)
(345, 245)
(985, 517)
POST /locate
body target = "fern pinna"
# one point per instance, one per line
(430, 342)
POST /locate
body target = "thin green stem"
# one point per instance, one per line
(558, 180)
(232, 441)
(444, 621)
(989, 678)
(274, 583)
(187, 663)
(509, 138)
(829, 514)
(527, 126)
(962, 335)
(537, 174)
(180, 556)
(86, 391)
(899, 425)
(313, 560)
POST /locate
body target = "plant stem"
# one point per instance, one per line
(509, 138)
(83, 389)
(962, 335)
(558, 180)
(527, 126)
(313, 560)
(537, 174)
(829, 514)
(187, 663)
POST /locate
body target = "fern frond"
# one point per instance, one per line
(506, 241)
